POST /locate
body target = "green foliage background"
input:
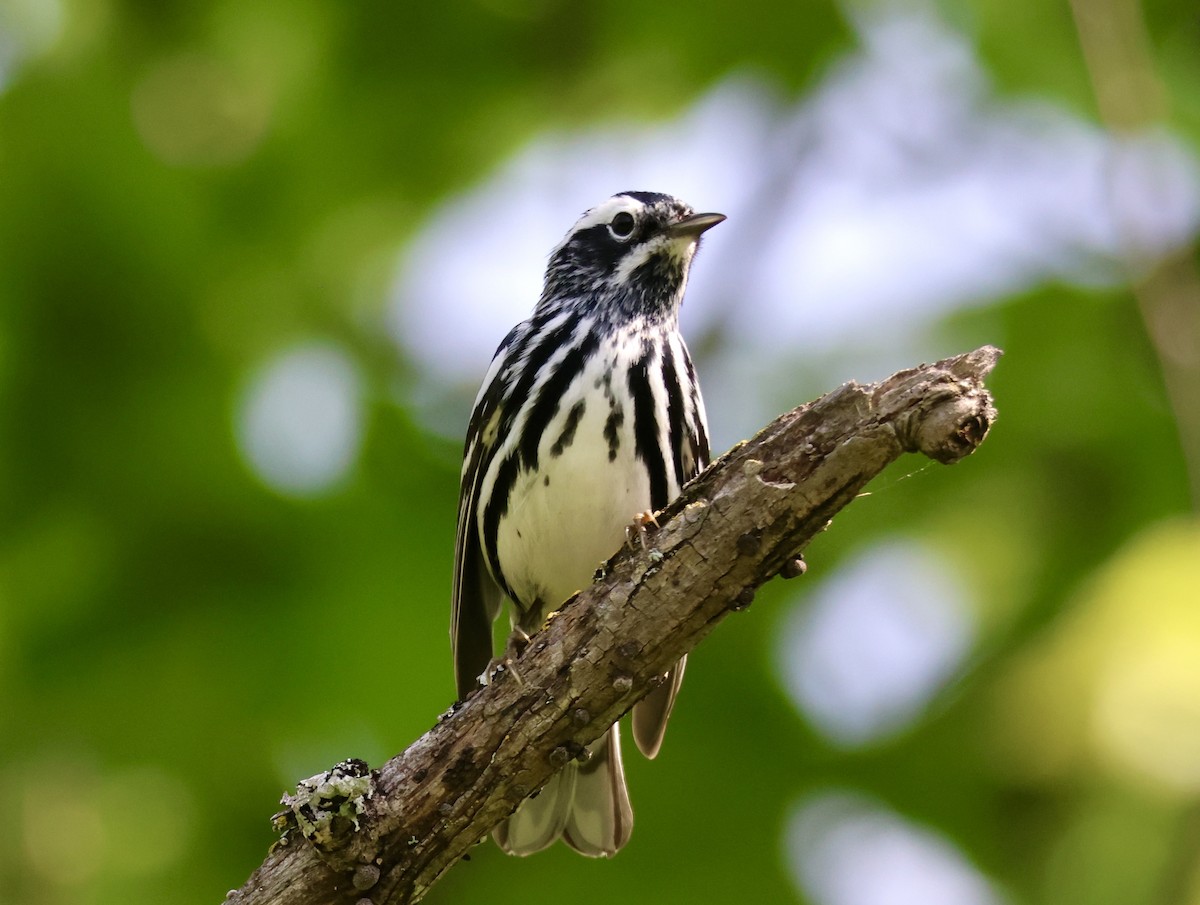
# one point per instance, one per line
(178, 643)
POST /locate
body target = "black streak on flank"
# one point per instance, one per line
(612, 430)
(699, 437)
(645, 428)
(545, 406)
(544, 346)
(567, 437)
(496, 508)
(606, 382)
(675, 415)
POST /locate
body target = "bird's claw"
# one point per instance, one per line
(639, 528)
(518, 640)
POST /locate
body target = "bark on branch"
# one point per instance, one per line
(386, 837)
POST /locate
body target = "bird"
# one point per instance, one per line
(589, 415)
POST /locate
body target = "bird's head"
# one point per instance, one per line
(628, 257)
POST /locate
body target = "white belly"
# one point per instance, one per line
(569, 516)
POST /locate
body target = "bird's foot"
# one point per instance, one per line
(518, 640)
(639, 528)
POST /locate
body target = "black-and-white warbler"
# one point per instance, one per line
(589, 414)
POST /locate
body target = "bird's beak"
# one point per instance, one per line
(694, 225)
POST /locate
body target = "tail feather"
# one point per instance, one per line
(539, 821)
(600, 821)
(587, 805)
(651, 713)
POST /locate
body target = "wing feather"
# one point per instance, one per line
(476, 597)
(650, 715)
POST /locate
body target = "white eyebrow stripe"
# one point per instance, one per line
(602, 214)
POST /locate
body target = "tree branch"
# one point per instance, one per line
(387, 836)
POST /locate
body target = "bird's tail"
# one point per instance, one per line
(586, 804)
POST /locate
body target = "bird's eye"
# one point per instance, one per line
(622, 225)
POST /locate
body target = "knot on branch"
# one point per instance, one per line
(951, 427)
(955, 410)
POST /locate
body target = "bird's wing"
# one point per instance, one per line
(651, 713)
(476, 596)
